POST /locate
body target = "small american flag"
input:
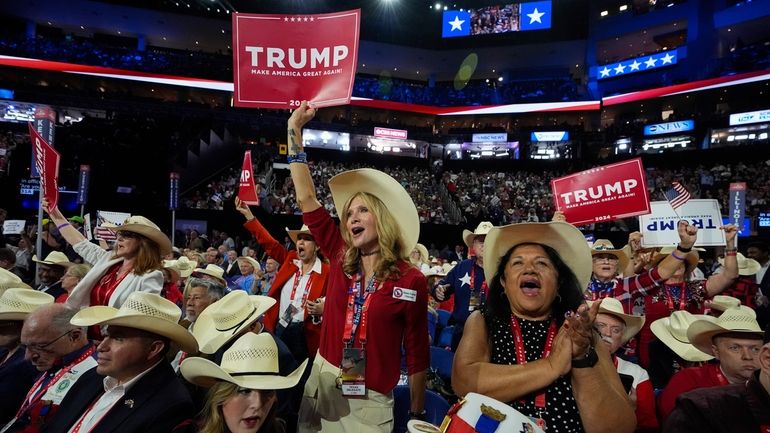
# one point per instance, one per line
(677, 195)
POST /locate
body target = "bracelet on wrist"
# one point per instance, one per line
(673, 254)
(62, 225)
(733, 253)
(731, 250)
(683, 249)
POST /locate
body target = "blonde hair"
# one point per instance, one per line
(212, 419)
(79, 270)
(388, 238)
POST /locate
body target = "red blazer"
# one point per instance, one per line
(285, 272)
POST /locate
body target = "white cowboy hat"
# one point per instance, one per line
(435, 271)
(563, 237)
(251, 363)
(55, 258)
(734, 320)
(446, 267)
(672, 331)
(691, 258)
(304, 230)
(223, 320)
(390, 192)
(746, 266)
(212, 271)
(613, 307)
(143, 226)
(182, 266)
(722, 302)
(423, 252)
(250, 260)
(604, 246)
(142, 310)
(482, 229)
(9, 280)
(16, 304)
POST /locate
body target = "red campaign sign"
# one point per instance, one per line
(281, 60)
(604, 193)
(47, 164)
(247, 190)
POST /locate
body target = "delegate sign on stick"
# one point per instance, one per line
(281, 60)
(47, 164)
(602, 194)
(659, 229)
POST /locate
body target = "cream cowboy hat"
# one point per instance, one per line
(737, 320)
(563, 237)
(691, 259)
(435, 271)
(723, 303)
(16, 304)
(250, 260)
(212, 271)
(182, 266)
(142, 310)
(672, 331)
(613, 307)
(143, 226)
(9, 280)
(395, 198)
(604, 246)
(251, 363)
(482, 229)
(423, 252)
(305, 230)
(746, 266)
(55, 258)
(223, 320)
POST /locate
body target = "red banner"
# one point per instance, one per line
(281, 60)
(604, 193)
(47, 164)
(247, 191)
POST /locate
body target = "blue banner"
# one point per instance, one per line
(456, 23)
(83, 180)
(639, 64)
(536, 15)
(173, 199)
(737, 205)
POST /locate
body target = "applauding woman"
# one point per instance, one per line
(375, 301)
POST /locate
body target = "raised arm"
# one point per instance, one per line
(687, 236)
(274, 248)
(719, 282)
(300, 174)
(68, 232)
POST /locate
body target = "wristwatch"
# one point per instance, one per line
(586, 361)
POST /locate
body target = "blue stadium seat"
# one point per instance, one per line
(435, 406)
(445, 338)
(441, 360)
(443, 317)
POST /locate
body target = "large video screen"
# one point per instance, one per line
(511, 17)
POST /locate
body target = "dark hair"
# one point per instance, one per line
(8, 255)
(569, 293)
(762, 246)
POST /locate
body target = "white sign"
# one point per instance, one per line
(114, 218)
(750, 117)
(538, 136)
(13, 227)
(659, 228)
(398, 134)
(496, 137)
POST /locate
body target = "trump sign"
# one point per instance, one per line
(659, 228)
(281, 60)
(603, 193)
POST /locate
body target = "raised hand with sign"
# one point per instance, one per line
(68, 232)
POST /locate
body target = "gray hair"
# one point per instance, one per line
(61, 317)
(213, 290)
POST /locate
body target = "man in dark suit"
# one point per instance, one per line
(133, 389)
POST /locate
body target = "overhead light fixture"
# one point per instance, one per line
(604, 13)
(623, 8)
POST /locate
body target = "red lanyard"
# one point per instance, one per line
(682, 295)
(358, 310)
(90, 407)
(297, 277)
(473, 281)
(720, 377)
(33, 397)
(521, 356)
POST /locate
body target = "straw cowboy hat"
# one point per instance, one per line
(481, 230)
(9, 280)
(395, 198)
(435, 271)
(143, 226)
(734, 320)
(604, 246)
(672, 331)
(723, 303)
(252, 261)
(746, 266)
(182, 266)
(613, 307)
(251, 363)
(16, 304)
(563, 237)
(691, 258)
(54, 258)
(424, 257)
(304, 230)
(142, 310)
(221, 321)
(213, 271)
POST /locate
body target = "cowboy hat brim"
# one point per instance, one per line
(210, 339)
(294, 233)
(633, 323)
(683, 349)
(205, 373)
(751, 266)
(153, 234)
(701, 332)
(210, 274)
(103, 315)
(618, 254)
(10, 316)
(691, 259)
(563, 237)
(392, 195)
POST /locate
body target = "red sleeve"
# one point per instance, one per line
(325, 231)
(646, 418)
(416, 339)
(273, 248)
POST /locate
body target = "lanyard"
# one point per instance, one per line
(682, 294)
(473, 282)
(720, 377)
(358, 310)
(297, 277)
(34, 395)
(90, 407)
(521, 356)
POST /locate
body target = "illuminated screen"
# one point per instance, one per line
(511, 17)
(764, 219)
(29, 192)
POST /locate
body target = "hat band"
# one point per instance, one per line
(254, 373)
(254, 309)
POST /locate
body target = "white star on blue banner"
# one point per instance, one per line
(639, 64)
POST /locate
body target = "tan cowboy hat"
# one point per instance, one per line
(723, 303)
(604, 246)
(9, 280)
(563, 237)
(746, 266)
(672, 331)
(251, 363)
(16, 304)
(423, 252)
(145, 227)
(305, 230)
(482, 229)
(691, 259)
(613, 307)
(435, 271)
(182, 266)
(447, 267)
(223, 320)
(55, 258)
(213, 271)
(250, 260)
(142, 310)
(737, 320)
(395, 198)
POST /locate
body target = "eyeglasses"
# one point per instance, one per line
(38, 347)
(608, 259)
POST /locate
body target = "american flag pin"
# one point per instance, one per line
(130, 403)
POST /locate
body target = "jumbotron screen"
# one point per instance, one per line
(512, 17)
